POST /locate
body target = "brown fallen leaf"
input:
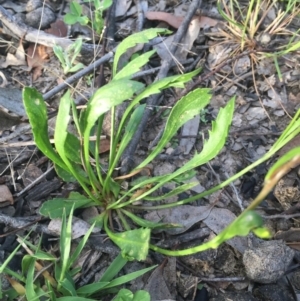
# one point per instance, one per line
(37, 55)
(58, 29)
(171, 19)
(104, 146)
(175, 21)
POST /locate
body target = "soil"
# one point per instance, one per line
(265, 102)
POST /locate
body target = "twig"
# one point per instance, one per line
(20, 224)
(127, 161)
(78, 75)
(29, 34)
(37, 180)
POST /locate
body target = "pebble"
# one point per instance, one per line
(267, 262)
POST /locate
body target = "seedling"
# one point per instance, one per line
(76, 158)
(68, 57)
(96, 22)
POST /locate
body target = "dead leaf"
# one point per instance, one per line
(58, 29)
(104, 146)
(79, 227)
(17, 59)
(172, 20)
(6, 197)
(175, 21)
(37, 55)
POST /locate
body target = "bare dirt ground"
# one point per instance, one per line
(265, 101)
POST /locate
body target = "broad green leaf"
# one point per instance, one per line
(283, 160)
(185, 109)
(241, 226)
(54, 208)
(72, 148)
(136, 38)
(134, 244)
(37, 113)
(114, 268)
(62, 137)
(107, 97)
(134, 65)
(148, 224)
(89, 289)
(129, 277)
(156, 87)
(64, 175)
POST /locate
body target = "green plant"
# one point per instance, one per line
(55, 281)
(73, 155)
(68, 56)
(96, 22)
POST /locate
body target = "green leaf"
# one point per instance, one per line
(134, 65)
(72, 148)
(89, 289)
(73, 298)
(129, 277)
(141, 296)
(58, 51)
(156, 87)
(114, 268)
(68, 284)
(149, 224)
(134, 244)
(54, 208)
(185, 109)
(130, 130)
(76, 68)
(65, 244)
(136, 38)
(80, 247)
(37, 113)
(29, 285)
(75, 8)
(106, 98)
(211, 148)
(295, 152)
(180, 189)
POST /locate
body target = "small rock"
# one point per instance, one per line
(33, 5)
(267, 262)
(274, 292)
(41, 18)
